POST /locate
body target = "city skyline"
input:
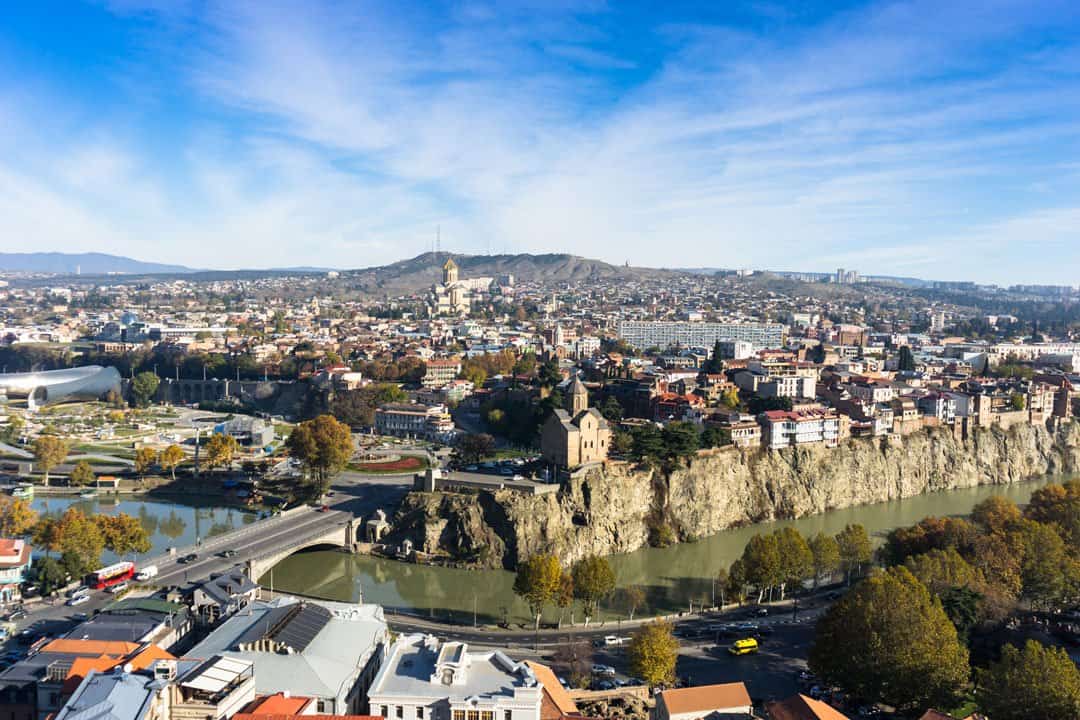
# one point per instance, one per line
(894, 138)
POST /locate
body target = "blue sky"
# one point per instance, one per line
(934, 139)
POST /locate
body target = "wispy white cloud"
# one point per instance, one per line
(878, 137)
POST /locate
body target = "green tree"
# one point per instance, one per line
(145, 458)
(715, 364)
(888, 639)
(17, 517)
(143, 388)
(652, 652)
(1047, 571)
(1058, 505)
(594, 580)
(646, 441)
(537, 582)
(855, 550)
(220, 450)
(715, 436)
(123, 533)
(680, 439)
(796, 558)
(82, 474)
(1035, 682)
(170, 458)
(906, 361)
(633, 597)
(612, 409)
(730, 399)
(549, 374)
(323, 446)
(50, 575)
(49, 451)
(762, 564)
(474, 447)
(76, 537)
(564, 596)
(1017, 401)
(996, 514)
(964, 607)
(622, 443)
(826, 556)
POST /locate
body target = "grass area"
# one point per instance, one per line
(407, 463)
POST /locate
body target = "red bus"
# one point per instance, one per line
(111, 575)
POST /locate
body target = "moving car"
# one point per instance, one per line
(78, 600)
(744, 646)
(118, 588)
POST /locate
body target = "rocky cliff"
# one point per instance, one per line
(620, 507)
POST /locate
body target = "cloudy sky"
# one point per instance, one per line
(936, 139)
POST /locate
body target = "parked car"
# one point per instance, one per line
(16, 614)
(605, 670)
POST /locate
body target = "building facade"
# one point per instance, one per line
(663, 334)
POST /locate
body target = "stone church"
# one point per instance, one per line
(454, 296)
(575, 434)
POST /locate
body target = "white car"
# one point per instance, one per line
(118, 588)
(78, 600)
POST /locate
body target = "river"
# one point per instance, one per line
(671, 577)
(168, 523)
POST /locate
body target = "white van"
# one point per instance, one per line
(150, 571)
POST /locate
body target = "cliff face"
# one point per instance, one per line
(613, 509)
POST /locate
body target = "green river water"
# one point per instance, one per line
(672, 577)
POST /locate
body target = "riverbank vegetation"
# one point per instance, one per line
(949, 597)
(542, 580)
(76, 538)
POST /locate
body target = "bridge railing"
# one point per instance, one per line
(217, 542)
(298, 541)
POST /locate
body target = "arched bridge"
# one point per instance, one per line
(336, 532)
(261, 545)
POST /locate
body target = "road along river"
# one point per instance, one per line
(671, 577)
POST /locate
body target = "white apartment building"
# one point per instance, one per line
(423, 679)
(662, 333)
(782, 428)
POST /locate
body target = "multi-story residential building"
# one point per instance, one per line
(414, 420)
(422, 679)
(328, 651)
(788, 428)
(876, 391)
(663, 334)
(440, 371)
(15, 558)
(938, 405)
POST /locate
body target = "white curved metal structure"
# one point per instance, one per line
(90, 382)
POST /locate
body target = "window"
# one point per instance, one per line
(321, 705)
(474, 715)
(384, 711)
(400, 711)
(508, 715)
(419, 713)
(459, 715)
(487, 715)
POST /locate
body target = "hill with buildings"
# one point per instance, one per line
(419, 272)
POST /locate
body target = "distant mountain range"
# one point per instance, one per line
(84, 263)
